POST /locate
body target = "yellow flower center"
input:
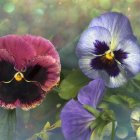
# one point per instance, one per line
(109, 55)
(18, 76)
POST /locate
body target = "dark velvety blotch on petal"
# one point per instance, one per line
(111, 68)
(100, 47)
(6, 70)
(27, 93)
(120, 55)
(36, 73)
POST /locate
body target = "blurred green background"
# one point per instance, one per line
(61, 21)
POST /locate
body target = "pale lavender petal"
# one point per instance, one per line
(132, 63)
(117, 24)
(86, 44)
(75, 121)
(92, 93)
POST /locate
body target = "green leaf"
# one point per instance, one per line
(46, 133)
(115, 99)
(72, 83)
(104, 105)
(7, 124)
(64, 73)
(48, 126)
(137, 77)
(68, 56)
(94, 136)
(124, 100)
(103, 129)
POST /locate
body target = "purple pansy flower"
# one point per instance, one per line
(29, 68)
(76, 120)
(109, 50)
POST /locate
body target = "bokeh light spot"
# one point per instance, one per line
(9, 7)
(58, 105)
(122, 132)
(39, 12)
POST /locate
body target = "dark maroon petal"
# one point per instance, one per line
(100, 47)
(18, 49)
(120, 55)
(20, 94)
(100, 63)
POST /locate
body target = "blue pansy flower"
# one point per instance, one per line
(78, 122)
(109, 50)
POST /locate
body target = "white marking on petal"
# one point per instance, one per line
(112, 82)
(117, 81)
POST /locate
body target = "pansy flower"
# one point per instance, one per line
(109, 50)
(77, 120)
(29, 68)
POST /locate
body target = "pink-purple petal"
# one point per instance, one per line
(92, 93)
(42, 46)
(18, 49)
(4, 55)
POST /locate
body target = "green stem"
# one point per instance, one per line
(92, 110)
(95, 123)
(113, 130)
